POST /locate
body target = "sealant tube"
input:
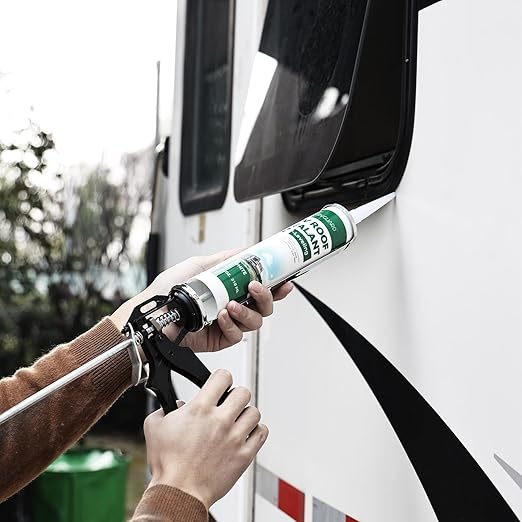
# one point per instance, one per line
(279, 258)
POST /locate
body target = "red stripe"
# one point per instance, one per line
(291, 501)
(350, 519)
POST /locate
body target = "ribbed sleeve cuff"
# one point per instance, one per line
(170, 504)
(113, 376)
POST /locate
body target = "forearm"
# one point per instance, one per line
(32, 440)
(166, 504)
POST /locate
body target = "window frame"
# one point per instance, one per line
(371, 183)
(359, 181)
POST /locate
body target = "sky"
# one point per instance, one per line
(86, 72)
(88, 69)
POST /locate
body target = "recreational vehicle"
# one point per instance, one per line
(390, 378)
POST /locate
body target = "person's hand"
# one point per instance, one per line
(202, 448)
(231, 322)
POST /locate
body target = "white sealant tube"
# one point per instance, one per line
(279, 258)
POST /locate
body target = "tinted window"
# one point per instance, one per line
(299, 92)
(207, 100)
(372, 150)
(336, 117)
(373, 123)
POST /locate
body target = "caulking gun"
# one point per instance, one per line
(196, 303)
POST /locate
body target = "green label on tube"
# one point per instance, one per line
(303, 243)
(335, 226)
(236, 280)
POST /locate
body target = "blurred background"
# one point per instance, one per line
(79, 117)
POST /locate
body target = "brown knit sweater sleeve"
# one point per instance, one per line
(165, 504)
(30, 441)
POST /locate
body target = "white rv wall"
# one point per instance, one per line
(434, 281)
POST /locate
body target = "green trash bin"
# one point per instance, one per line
(82, 485)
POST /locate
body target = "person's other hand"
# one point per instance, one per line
(202, 448)
(231, 323)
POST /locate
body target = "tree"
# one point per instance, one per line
(66, 255)
(30, 241)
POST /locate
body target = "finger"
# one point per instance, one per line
(155, 416)
(257, 438)
(282, 291)
(245, 317)
(230, 331)
(248, 421)
(152, 420)
(217, 384)
(263, 298)
(236, 402)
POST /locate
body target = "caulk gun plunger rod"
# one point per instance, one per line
(63, 381)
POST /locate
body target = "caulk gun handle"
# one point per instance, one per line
(165, 357)
(159, 382)
(224, 396)
(165, 394)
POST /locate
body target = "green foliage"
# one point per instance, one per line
(29, 243)
(65, 254)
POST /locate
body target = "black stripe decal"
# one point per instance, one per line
(426, 3)
(457, 487)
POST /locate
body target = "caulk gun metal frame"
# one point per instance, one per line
(164, 355)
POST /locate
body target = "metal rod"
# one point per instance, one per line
(63, 381)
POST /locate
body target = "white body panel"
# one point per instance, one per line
(204, 234)
(433, 281)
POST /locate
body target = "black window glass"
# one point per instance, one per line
(371, 152)
(300, 89)
(373, 124)
(207, 104)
